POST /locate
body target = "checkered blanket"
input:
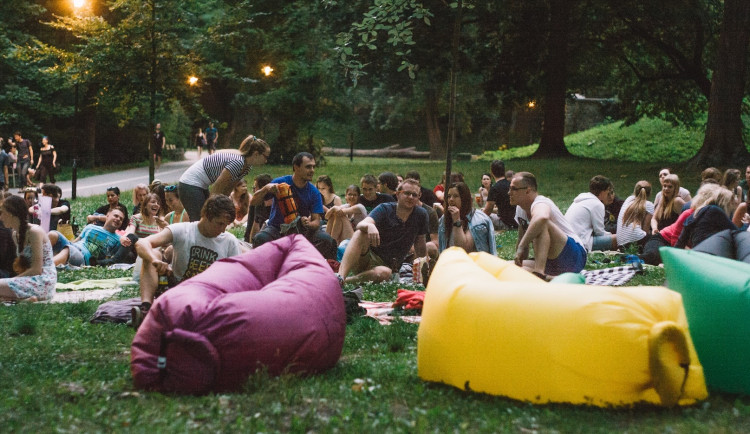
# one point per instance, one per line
(614, 276)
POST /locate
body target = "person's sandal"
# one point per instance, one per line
(542, 276)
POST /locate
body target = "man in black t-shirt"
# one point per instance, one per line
(498, 196)
(382, 240)
(428, 196)
(370, 197)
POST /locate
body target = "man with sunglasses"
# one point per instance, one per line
(557, 248)
(383, 239)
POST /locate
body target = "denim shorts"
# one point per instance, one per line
(75, 256)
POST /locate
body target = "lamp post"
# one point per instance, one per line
(153, 93)
(77, 6)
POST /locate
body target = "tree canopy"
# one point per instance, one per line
(375, 70)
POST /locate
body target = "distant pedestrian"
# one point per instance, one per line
(47, 164)
(212, 135)
(200, 141)
(158, 140)
(25, 157)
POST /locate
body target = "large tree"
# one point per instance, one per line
(723, 143)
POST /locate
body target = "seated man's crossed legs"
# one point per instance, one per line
(363, 262)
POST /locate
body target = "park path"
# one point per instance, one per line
(127, 179)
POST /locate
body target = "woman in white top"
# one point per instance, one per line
(219, 173)
(635, 216)
(37, 275)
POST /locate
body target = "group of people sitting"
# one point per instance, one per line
(179, 230)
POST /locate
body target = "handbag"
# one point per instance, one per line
(67, 229)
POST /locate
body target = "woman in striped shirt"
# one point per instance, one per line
(219, 173)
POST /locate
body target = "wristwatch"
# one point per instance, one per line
(457, 224)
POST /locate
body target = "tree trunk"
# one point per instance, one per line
(723, 143)
(437, 149)
(552, 143)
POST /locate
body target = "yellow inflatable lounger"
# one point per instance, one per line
(491, 327)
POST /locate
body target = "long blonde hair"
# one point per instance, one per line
(704, 195)
(636, 212)
(664, 210)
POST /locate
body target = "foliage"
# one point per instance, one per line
(646, 140)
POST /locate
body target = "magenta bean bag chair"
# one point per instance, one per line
(278, 307)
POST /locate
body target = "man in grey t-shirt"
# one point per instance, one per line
(196, 245)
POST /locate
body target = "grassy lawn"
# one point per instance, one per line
(58, 372)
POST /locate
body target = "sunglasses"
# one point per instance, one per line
(170, 188)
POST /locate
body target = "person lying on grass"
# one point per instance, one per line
(113, 201)
(383, 239)
(557, 248)
(196, 245)
(96, 243)
(145, 223)
(37, 275)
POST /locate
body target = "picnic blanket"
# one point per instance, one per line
(614, 276)
(84, 284)
(383, 312)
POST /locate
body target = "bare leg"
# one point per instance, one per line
(378, 274)
(149, 281)
(547, 245)
(353, 254)
(62, 257)
(6, 294)
(339, 228)
(355, 251)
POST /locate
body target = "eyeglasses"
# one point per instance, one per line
(170, 188)
(518, 188)
(409, 194)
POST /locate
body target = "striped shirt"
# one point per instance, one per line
(205, 172)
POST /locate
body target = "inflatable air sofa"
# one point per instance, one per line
(716, 293)
(278, 307)
(488, 326)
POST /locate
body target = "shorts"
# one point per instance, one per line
(368, 261)
(75, 255)
(572, 259)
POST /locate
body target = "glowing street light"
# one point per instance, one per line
(532, 104)
(78, 4)
(192, 80)
(267, 70)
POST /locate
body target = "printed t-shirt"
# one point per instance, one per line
(193, 252)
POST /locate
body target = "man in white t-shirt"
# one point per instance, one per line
(586, 215)
(196, 245)
(557, 248)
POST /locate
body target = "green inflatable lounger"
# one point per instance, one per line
(716, 295)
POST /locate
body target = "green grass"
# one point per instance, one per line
(647, 140)
(59, 372)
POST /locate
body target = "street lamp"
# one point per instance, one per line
(192, 80)
(77, 6)
(267, 70)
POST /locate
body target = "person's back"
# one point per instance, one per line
(586, 215)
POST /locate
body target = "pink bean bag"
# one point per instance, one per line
(278, 307)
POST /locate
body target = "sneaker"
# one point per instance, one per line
(136, 317)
